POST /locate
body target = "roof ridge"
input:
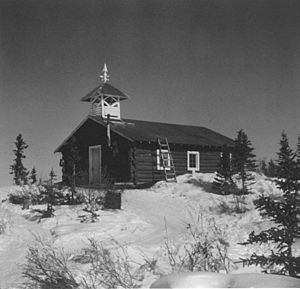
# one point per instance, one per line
(168, 123)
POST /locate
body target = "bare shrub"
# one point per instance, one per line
(51, 268)
(23, 194)
(93, 201)
(47, 267)
(108, 269)
(205, 249)
(90, 217)
(94, 198)
(38, 194)
(238, 206)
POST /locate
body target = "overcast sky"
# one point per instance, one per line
(224, 65)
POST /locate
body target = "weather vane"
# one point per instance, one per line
(104, 76)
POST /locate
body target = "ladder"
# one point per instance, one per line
(167, 160)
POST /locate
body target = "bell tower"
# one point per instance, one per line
(105, 99)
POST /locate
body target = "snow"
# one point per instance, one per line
(147, 218)
(214, 280)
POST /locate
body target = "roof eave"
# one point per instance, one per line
(88, 97)
(70, 135)
(97, 121)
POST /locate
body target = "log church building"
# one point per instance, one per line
(130, 151)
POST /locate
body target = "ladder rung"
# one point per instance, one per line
(165, 148)
(167, 160)
(170, 174)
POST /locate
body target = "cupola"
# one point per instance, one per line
(105, 99)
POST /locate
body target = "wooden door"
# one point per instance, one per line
(95, 165)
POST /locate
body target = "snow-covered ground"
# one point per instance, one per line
(147, 217)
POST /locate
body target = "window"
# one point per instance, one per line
(193, 161)
(163, 160)
(230, 155)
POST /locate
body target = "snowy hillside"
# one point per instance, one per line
(149, 219)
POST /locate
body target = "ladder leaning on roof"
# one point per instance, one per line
(166, 159)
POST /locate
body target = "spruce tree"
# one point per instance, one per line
(17, 168)
(286, 159)
(283, 212)
(264, 168)
(72, 158)
(298, 157)
(52, 176)
(271, 169)
(223, 181)
(33, 176)
(243, 159)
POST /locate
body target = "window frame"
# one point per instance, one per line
(197, 154)
(158, 163)
(230, 155)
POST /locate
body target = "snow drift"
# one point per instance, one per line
(148, 219)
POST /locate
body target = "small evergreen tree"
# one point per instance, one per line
(52, 176)
(283, 212)
(271, 169)
(50, 195)
(223, 181)
(298, 157)
(286, 159)
(243, 159)
(72, 158)
(33, 176)
(264, 167)
(17, 168)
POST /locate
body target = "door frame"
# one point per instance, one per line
(90, 162)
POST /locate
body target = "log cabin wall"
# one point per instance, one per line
(133, 159)
(146, 161)
(146, 166)
(209, 161)
(114, 160)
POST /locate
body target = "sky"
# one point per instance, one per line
(226, 65)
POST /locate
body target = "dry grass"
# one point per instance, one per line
(205, 250)
(51, 268)
(109, 268)
(48, 267)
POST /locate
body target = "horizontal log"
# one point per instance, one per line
(210, 157)
(176, 159)
(202, 155)
(153, 166)
(177, 154)
(180, 158)
(209, 164)
(150, 177)
(209, 161)
(146, 167)
(154, 157)
(148, 173)
(207, 171)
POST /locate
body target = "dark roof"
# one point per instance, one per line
(105, 89)
(148, 131)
